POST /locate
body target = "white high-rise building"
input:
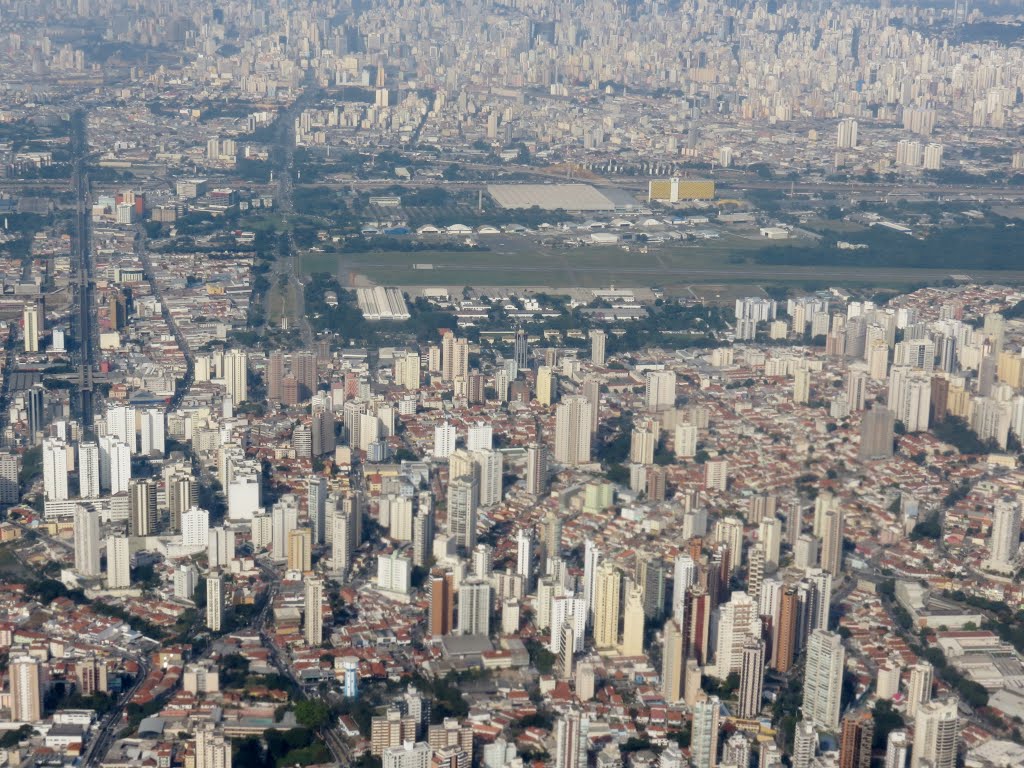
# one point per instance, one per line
(488, 466)
(118, 563)
(195, 528)
(214, 601)
(55, 469)
(120, 421)
(120, 467)
(933, 157)
(936, 735)
(823, 679)
(805, 744)
(32, 319)
(660, 390)
(480, 437)
(591, 561)
(897, 750)
(444, 440)
(463, 500)
(475, 607)
(572, 430)
(567, 609)
(846, 136)
(87, 541)
(686, 441)
(220, 547)
(524, 554)
(704, 738)
(408, 755)
(153, 432)
(738, 622)
(236, 375)
(394, 573)
(1004, 542)
(284, 518)
(919, 688)
(88, 470)
(684, 577)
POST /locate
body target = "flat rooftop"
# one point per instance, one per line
(550, 197)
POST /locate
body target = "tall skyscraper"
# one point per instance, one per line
(300, 550)
(876, 434)
(463, 500)
(858, 730)
(522, 351)
(1004, 542)
(737, 751)
(441, 590)
(316, 508)
(571, 740)
(823, 679)
(313, 628)
(118, 563)
(236, 375)
(32, 320)
(87, 541)
(751, 679)
(214, 601)
(120, 467)
(832, 542)
(152, 432)
(536, 469)
(10, 470)
(547, 384)
(785, 645)
(801, 386)
(524, 556)
(607, 599)
(897, 750)
(919, 688)
(591, 389)
(660, 390)
(597, 345)
(275, 375)
(142, 516)
(475, 607)
(572, 431)
(673, 668)
(88, 470)
(704, 733)
(650, 576)
(213, 750)
(805, 744)
(936, 735)
(26, 674)
(55, 469)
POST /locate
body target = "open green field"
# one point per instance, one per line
(676, 267)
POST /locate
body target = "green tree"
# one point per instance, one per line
(312, 714)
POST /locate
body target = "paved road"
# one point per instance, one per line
(104, 737)
(185, 384)
(733, 273)
(288, 266)
(85, 331)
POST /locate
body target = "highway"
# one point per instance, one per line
(182, 386)
(287, 264)
(98, 745)
(84, 332)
